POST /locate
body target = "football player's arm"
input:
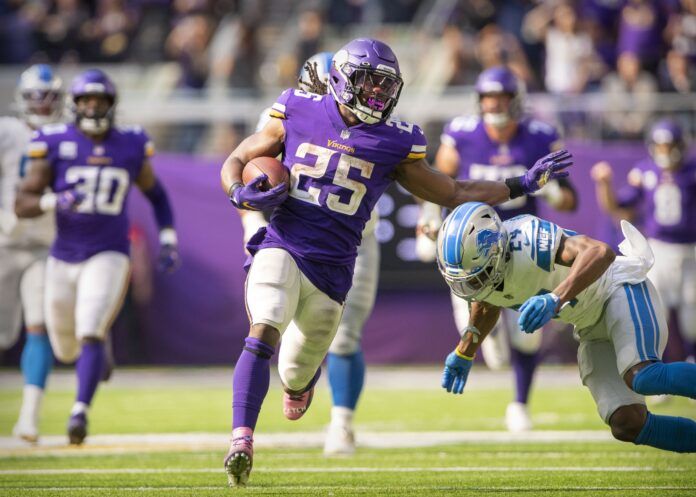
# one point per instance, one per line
(587, 258)
(602, 175)
(426, 182)
(447, 160)
(268, 142)
(459, 362)
(168, 259)
(31, 201)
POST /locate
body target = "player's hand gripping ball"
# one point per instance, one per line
(266, 184)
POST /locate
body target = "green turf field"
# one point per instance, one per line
(467, 468)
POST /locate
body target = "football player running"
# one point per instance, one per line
(662, 190)
(24, 243)
(546, 272)
(342, 150)
(345, 362)
(90, 165)
(500, 143)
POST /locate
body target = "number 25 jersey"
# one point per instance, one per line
(103, 172)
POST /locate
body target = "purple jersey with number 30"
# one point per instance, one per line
(337, 175)
(103, 171)
(667, 199)
(480, 158)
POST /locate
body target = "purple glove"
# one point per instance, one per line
(168, 260)
(549, 167)
(249, 196)
(69, 200)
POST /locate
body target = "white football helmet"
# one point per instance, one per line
(471, 250)
(39, 96)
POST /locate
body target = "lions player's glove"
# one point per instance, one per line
(69, 200)
(537, 311)
(549, 167)
(456, 372)
(251, 198)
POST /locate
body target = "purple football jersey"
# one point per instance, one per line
(337, 175)
(666, 200)
(480, 158)
(103, 171)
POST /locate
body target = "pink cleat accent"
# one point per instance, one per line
(240, 457)
(295, 405)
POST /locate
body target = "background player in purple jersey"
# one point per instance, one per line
(661, 191)
(500, 143)
(90, 166)
(343, 151)
(24, 243)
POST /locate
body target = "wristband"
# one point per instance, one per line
(476, 334)
(465, 357)
(233, 187)
(167, 236)
(515, 186)
(48, 201)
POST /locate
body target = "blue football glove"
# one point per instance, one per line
(249, 196)
(456, 372)
(69, 200)
(537, 311)
(549, 167)
(168, 260)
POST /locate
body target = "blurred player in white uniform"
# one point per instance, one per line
(24, 243)
(90, 165)
(496, 145)
(661, 191)
(545, 272)
(346, 365)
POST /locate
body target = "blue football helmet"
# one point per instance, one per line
(39, 96)
(472, 250)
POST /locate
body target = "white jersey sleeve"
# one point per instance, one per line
(531, 270)
(14, 139)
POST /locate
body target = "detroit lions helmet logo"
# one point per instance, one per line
(485, 241)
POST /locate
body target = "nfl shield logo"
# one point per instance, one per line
(345, 134)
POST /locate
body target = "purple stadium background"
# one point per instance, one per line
(197, 315)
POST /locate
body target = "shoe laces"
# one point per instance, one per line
(245, 442)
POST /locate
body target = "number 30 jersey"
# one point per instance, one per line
(531, 270)
(103, 171)
(337, 175)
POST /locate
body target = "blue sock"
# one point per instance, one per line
(346, 377)
(89, 369)
(524, 365)
(675, 378)
(37, 359)
(252, 376)
(668, 433)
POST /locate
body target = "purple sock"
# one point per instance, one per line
(89, 370)
(252, 375)
(524, 366)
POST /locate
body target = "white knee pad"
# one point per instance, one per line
(306, 342)
(272, 288)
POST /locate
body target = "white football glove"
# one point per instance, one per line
(429, 223)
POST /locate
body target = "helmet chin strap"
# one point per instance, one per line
(668, 161)
(94, 126)
(366, 115)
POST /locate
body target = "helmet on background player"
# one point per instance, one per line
(666, 144)
(94, 82)
(365, 77)
(471, 250)
(500, 80)
(315, 70)
(39, 96)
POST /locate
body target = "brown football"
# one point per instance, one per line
(270, 166)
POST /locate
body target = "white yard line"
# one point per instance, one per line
(214, 441)
(349, 469)
(370, 489)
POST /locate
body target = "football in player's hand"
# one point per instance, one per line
(276, 172)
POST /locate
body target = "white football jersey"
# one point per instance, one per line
(14, 138)
(531, 271)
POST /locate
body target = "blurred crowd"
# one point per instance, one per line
(629, 50)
